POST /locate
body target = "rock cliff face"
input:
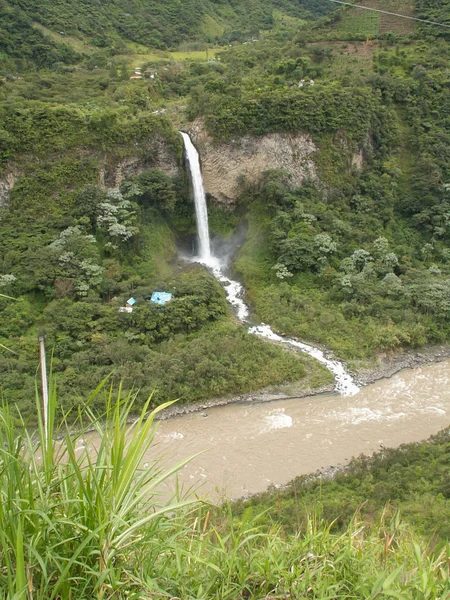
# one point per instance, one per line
(224, 165)
(7, 181)
(113, 171)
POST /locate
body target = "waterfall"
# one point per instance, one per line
(201, 211)
(344, 382)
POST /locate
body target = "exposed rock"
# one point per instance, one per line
(392, 362)
(358, 160)
(224, 165)
(7, 182)
(113, 167)
(158, 155)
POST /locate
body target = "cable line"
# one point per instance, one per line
(385, 12)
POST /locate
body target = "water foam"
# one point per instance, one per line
(173, 435)
(344, 381)
(201, 211)
(277, 420)
(345, 384)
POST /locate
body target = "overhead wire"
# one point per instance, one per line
(385, 12)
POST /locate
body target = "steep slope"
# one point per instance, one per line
(225, 165)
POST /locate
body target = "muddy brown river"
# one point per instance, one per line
(247, 447)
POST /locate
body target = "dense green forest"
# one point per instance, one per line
(96, 207)
(72, 253)
(357, 258)
(28, 29)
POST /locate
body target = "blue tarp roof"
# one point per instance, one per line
(131, 301)
(161, 297)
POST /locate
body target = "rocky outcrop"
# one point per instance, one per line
(358, 160)
(113, 170)
(7, 182)
(224, 165)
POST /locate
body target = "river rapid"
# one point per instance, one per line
(248, 447)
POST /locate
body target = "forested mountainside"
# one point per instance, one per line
(40, 34)
(95, 199)
(356, 256)
(345, 243)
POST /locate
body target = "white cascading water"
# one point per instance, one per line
(201, 210)
(345, 384)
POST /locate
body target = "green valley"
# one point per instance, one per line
(323, 135)
(95, 194)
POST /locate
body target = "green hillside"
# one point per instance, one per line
(96, 208)
(357, 260)
(28, 29)
(434, 10)
(360, 22)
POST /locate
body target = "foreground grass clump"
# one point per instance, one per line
(84, 522)
(71, 516)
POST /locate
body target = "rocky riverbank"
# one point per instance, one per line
(383, 367)
(388, 364)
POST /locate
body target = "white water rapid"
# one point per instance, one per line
(345, 384)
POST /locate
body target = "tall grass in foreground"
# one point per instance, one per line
(74, 517)
(78, 523)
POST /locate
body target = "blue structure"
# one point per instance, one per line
(131, 302)
(161, 298)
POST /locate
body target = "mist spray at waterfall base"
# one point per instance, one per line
(235, 292)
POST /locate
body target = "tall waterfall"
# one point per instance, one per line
(201, 211)
(344, 382)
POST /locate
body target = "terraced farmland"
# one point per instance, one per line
(358, 21)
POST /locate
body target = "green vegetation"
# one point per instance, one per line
(94, 200)
(412, 479)
(327, 110)
(48, 34)
(46, 129)
(73, 280)
(362, 24)
(357, 258)
(72, 251)
(359, 24)
(78, 521)
(434, 11)
(310, 274)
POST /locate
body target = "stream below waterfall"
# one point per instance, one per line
(344, 383)
(247, 447)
